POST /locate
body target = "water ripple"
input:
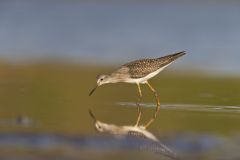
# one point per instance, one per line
(187, 107)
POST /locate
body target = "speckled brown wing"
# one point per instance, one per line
(143, 67)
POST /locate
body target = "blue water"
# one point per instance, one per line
(51, 146)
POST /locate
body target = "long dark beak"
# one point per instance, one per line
(93, 90)
(92, 115)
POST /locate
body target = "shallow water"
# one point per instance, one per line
(187, 144)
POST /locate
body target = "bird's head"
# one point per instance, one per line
(100, 126)
(101, 79)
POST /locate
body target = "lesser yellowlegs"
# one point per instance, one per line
(139, 72)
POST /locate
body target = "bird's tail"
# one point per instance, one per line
(159, 148)
(164, 150)
(173, 57)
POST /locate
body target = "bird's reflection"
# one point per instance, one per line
(136, 136)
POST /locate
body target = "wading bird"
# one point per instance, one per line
(139, 72)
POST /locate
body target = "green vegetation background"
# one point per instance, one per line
(55, 96)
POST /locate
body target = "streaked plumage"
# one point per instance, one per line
(143, 67)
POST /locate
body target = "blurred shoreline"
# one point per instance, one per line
(189, 70)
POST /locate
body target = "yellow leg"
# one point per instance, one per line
(157, 108)
(138, 105)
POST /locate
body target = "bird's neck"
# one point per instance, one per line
(116, 77)
(113, 79)
(115, 130)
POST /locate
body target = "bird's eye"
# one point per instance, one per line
(101, 79)
(98, 126)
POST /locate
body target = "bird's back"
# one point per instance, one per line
(143, 67)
